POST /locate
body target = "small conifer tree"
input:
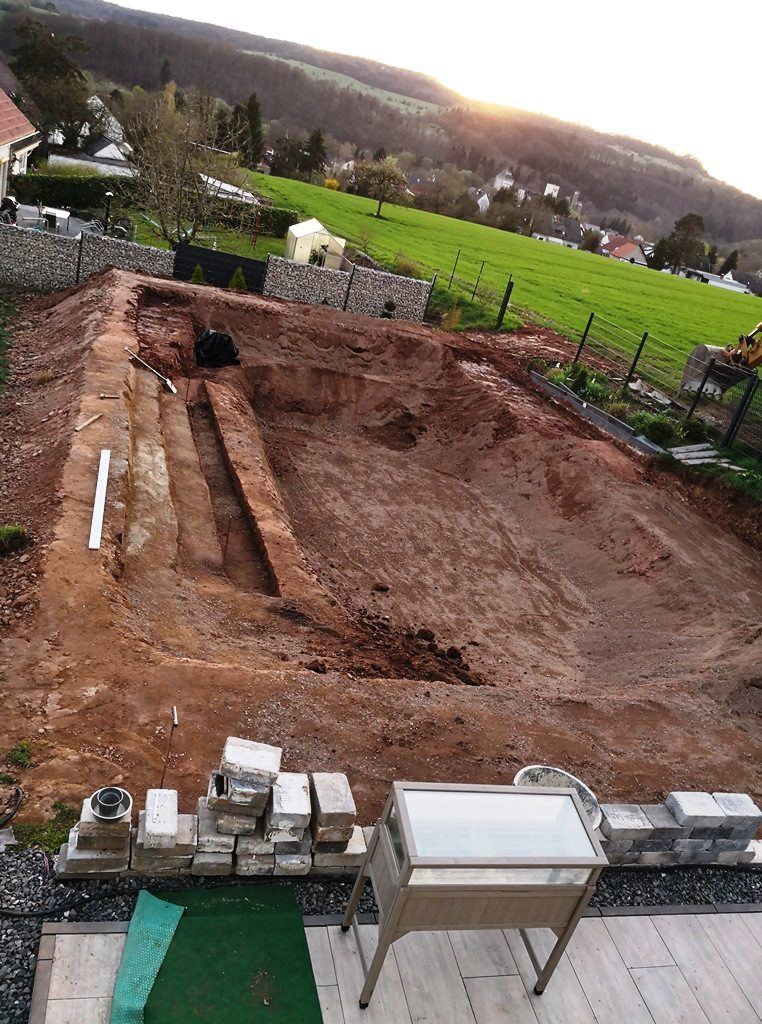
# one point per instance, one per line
(197, 277)
(238, 281)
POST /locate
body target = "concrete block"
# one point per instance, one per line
(236, 825)
(743, 832)
(625, 821)
(331, 833)
(664, 822)
(255, 844)
(659, 857)
(691, 845)
(292, 864)
(628, 857)
(353, 856)
(727, 856)
(73, 861)
(290, 806)
(248, 794)
(160, 819)
(250, 761)
(301, 848)
(739, 808)
(617, 845)
(187, 837)
(209, 839)
(651, 845)
(332, 801)
(89, 825)
(332, 872)
(89, 842)
(330, 847)
(144, 864)
(217, 798)
(258, 864)
(699, 857)
(698, 810)
(728, 845)
(710, 833)
(212, 864)
(283, 835)
(755, 849)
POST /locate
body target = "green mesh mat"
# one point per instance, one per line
(239, 956)
(151, 929)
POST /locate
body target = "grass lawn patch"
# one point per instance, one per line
(48, 835)
(227, 240)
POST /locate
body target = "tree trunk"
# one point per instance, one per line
(380, 204)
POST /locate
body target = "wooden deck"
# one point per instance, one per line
(665, 969)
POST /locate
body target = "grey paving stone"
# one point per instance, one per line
(699, 810)
(691, 845)
(353, 856)
(250, 761)
(332, 800)
(255, 844)
(217, 798)
(160, 819)
(659, 857)
(212, 864)
(290, 805)
(89, 825)
(209, 839)
(664, 822)
(187, 837)
(625, 821)
(256, 864)
(739, 808)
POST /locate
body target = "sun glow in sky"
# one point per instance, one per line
(685, 75)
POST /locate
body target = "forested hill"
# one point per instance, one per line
(370, 105)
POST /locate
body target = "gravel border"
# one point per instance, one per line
(27, 882)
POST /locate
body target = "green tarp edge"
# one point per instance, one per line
(150, 933)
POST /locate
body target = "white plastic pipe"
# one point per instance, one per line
(99, 505)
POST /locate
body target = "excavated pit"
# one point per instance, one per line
(372, 544)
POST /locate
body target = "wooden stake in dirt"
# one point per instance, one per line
(99, 505)
(88, 422)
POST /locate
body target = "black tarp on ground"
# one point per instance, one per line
(215, 348)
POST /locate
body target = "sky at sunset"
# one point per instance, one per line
(682, 75)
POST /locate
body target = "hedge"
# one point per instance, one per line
(86, 192)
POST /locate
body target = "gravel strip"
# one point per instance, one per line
(27, 882)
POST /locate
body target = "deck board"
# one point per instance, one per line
(482, 954)
(388, 1005)
(433, 986)
(638, 942)
(611, 992)
(709, 978)
(667, 995)
(500, 1000)
(321, 956)
(741, 952)
(563, 1001)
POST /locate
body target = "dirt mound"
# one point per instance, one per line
(371, 543)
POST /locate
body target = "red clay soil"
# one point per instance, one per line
(372, 543)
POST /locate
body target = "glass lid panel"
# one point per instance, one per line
(452, 823)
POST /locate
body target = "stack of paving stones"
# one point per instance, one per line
(95, 847)
(338, 843)
(164, 842)
(688, 828)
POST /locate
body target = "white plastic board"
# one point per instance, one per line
(99, 505)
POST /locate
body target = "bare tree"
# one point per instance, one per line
(182, 165)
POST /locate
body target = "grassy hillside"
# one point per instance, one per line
(561, 286)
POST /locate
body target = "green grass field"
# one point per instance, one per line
(227, 240)
(556, 285)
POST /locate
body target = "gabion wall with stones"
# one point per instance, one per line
(362, 291)
(37, 260)
(98, 253)
(370, 289)
(303, 282)
(46, 262)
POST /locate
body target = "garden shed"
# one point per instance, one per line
(311, 237)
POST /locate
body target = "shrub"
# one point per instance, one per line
(238, 282)
(387, 313)
(405, 267)
(556, 375)
(538, 364)
(13, 537)
(693, 431)
(659, 428)
(80, 192)
(197, 277)
(332, 183)
(594, 392)
(619, 409)
(451, 319)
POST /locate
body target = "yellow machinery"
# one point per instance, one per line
(713, 369)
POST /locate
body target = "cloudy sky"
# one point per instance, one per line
(686, 75)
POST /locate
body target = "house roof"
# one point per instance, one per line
(13, 124)
(624, 252)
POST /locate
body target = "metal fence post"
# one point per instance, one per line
(452, 275)
(504, 303)
(79, 257)
(349, 287)
(428, 297)
(478, 279)
(701, 387)
(585, 333)
(738, 416)
(631, 370)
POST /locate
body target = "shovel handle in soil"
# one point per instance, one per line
(165, 380)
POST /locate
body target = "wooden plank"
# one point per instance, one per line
(605, 980)
(99, 503)
(741, 952)
(79, 1011)
(433, 986)
(498, 1000)
(330, 1004)
(85, 966)
(638, 942)
(388, 1004)
(563, 1001)
(482, 954)
(321, 956)
(709, 978)
(668, 996)
(40, 992)
(87, 422)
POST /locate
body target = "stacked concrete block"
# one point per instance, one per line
(338, 844)
(347, 861)
(689, 828)
(288, 810)
(95, 847)
(151, 853)
(293, 858)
